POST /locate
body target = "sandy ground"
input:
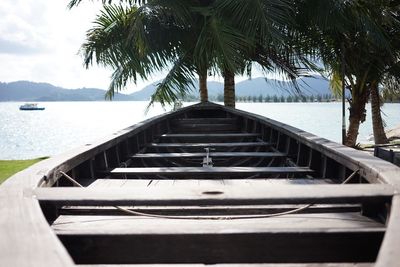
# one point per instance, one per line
(394, 133)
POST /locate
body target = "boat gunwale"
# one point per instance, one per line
(375, 170)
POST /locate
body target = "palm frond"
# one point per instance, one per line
(176, 84)
(74, 3)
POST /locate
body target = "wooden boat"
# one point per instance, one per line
(204, 185)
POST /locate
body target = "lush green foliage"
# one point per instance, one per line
(188, 37)
(359, 39)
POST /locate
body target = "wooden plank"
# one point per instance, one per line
(389, 252)
(189, 145)
(180, 171)
(224, 248)
(141, 225)
(25, 236)
(210, 135)
(210, 126)
(212, 154)
(218, 195)
(355, 264)
(204, 120)
(115, 183)
(211, 210)
(112, 183)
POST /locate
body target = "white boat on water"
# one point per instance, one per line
(30, 106)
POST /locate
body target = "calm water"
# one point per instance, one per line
(65, 125)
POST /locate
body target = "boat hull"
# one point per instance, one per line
(22, 108)
(204, 185)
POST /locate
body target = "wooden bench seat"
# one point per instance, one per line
(212, 154)
(205, 128)
(141, 225)
(210, 145)
(202, 172)
(209, 135)
(127, 183)
(135, 239)
(330, 264)
(204, 121)
(218, 195)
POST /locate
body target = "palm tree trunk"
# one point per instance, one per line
(357, 116)
(229, 89)
(203, 87)
(352, 132)
(377, 122)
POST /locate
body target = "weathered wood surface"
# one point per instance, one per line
(391, 154)
(224, 248)
(205, 128)
(140, 225)
(240, 265)
(212, 210)
(212, 170)
(44, 249)
(125, 183)
(389, 252)
(211, 154)
(25, 239)
(205, 121)
(219, 195)
(210, 135)
(188, 145)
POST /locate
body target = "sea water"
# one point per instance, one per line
(65, 125)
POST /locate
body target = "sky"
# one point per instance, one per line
(40, 41)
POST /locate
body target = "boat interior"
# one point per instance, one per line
(211, 185)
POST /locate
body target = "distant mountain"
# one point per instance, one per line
(32, 92)
(214, 88)
(314, 85)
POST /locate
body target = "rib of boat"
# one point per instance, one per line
(30, 106)
(204, 185)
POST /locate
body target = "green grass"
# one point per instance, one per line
(10, 167)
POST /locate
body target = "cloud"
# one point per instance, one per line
(40, 40)
(12, 47)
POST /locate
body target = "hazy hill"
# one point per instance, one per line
(258, 86)
(31, 91)
(214, 88)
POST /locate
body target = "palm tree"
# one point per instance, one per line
(209, 41)
(120, 39)
(350, 29)
(377, 122)
(388, 66)
(265, 24)
(139, 41)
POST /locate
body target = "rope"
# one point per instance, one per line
(216, 217)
